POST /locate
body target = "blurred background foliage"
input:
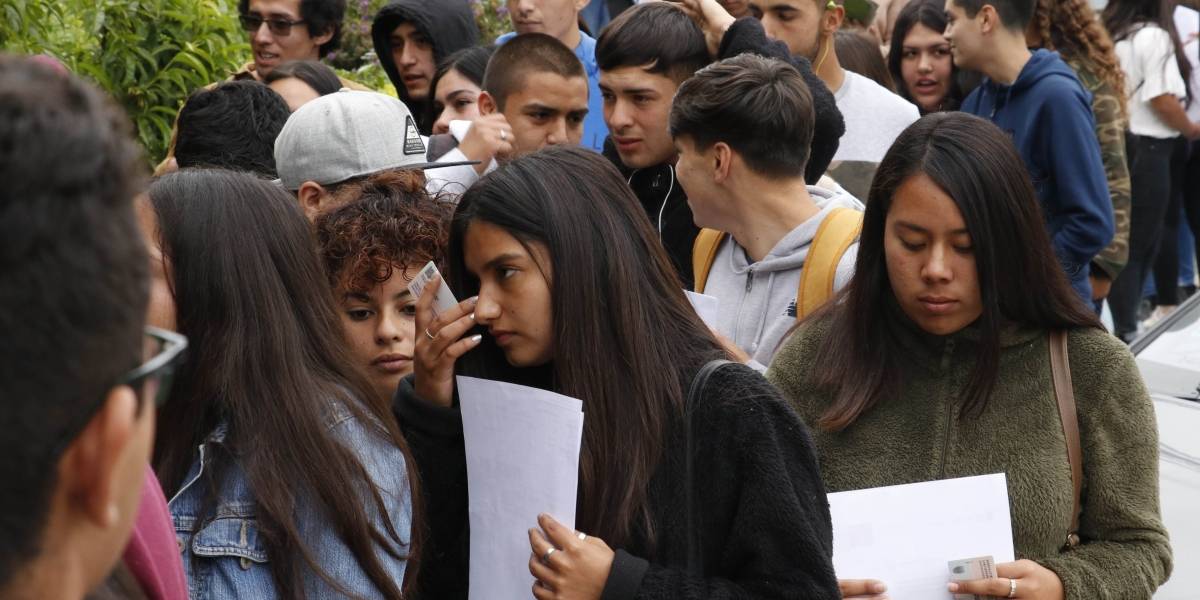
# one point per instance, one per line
(150, 54)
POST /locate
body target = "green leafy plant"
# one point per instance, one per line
(147, 54)
(492, 17)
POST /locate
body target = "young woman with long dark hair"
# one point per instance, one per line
(935, 364)
(1156, 74)
(919, 58)
(456, 86)
(1070, 28)
(573, 293)
(287, 475)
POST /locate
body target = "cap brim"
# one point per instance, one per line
(437, 165)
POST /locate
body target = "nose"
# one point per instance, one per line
(617, 115)
(442, 124)
(558, 133)
(262, 35)
(487, 308)
(408, 56)
(387, 329)
(936, 268)
(925, 66)
(521, 6)
(770, 27)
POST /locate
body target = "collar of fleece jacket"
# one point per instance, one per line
(449, 24)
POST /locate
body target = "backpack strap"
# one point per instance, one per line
(704, 253)
(1064, 394)
(835, 235)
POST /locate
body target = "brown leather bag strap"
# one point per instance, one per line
(1064, 393)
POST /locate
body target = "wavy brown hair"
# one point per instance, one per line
(1070, 27)
(388, 222)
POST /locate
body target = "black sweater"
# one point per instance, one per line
(765, 527)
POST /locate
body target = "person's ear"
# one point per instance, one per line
(721, 156)
(93, 468)
(487, 104)
(310, 195)
(989, 19)
(321, 40)
(832, 19)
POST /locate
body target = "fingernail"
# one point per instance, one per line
(879, 588)
(473, 299)
(953, 587)
(472, 316)
(476, 338)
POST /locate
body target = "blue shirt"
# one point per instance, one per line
(222, 549)
(594, 128)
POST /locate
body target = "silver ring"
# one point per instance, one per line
(1012, 588)
(429, 335)
(503, 135)
(546, 556)
(582, 536)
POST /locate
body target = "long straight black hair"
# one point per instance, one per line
(267, 357)
(1020, 280)
(626, 341)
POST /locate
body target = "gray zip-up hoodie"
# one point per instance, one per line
(758, 300)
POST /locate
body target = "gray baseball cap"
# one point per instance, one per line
(349, 134)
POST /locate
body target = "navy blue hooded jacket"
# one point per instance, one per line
(1049, 115)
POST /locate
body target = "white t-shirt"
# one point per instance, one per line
(874, 118)
(1187, 22)
(1148, 59)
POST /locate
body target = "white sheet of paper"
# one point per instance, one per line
(905, 535)
(522, 447)
(706, 306)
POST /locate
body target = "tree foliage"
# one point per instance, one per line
(150, 54)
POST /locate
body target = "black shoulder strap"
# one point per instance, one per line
(695, 563)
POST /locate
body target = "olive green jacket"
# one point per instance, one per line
(922, 435)
(1110, 132)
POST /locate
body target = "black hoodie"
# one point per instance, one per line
(450, 27)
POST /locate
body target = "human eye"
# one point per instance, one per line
(409, 309)
(463, 103)
(607, 96)
(575, 119)
(505, 273)
(908, 53)
(358, 314)
(911, 246)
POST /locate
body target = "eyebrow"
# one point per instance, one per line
(456, 93)
(503, 258)
(919, 229)
(538, 106)
(358, 296)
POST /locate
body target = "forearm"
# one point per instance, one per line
(1168, 109)
(1126, 570)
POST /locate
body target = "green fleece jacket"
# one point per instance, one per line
(921, 435)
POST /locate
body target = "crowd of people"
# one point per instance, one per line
(902, 215)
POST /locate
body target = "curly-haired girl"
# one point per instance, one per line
(373, 246)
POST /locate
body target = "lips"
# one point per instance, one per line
(503, 338)
(392, 363)
(626, 144)
(927, 86)
(264, 57)
(938, 305)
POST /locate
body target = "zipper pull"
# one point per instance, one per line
(749, 280)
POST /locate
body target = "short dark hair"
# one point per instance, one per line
(858, 52)
(319, 16)
(525, 54)
(315, 73)
(1014, 14)
(657, 36)
(70, 248)
(760, 106)
(233, 126)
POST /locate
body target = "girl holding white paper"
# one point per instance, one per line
(571, 291)
(935, 364)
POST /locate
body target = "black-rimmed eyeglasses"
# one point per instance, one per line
(278, 25)
(152, 379)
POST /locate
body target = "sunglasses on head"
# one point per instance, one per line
(278, 25)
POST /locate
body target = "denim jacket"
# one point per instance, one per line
(225, 558)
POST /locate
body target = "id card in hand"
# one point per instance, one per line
(444, 300)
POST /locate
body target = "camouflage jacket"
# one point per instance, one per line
(1110, 131)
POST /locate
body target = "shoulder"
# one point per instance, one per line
(740, 404)
(792, 367)
(1094, 351)
(1150, 35)
(367, 440)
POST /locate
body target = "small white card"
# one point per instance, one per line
(444, 300)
